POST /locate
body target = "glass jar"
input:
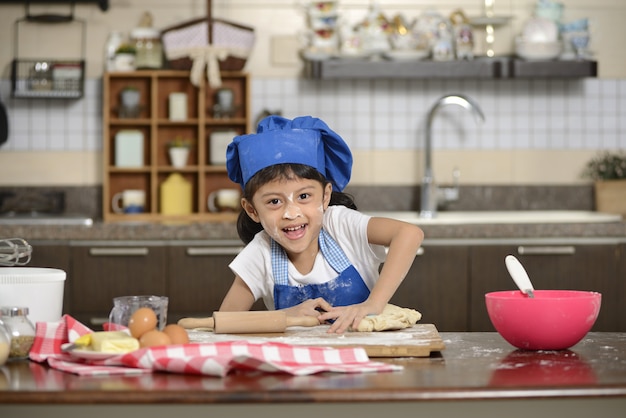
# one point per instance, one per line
(22, 330)
(149, 51)
(5, 342)
(116, 38)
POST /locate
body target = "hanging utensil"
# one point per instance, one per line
(14, 252)
(4, 124)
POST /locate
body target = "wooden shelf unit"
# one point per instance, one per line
(153, 122)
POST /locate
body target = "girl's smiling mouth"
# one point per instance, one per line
(295, 232)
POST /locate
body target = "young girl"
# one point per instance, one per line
(308, 250)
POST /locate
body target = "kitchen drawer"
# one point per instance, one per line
(563, 265)
(199, 278)
(437, 286)
(102, 272)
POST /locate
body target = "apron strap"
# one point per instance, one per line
(280, 264)
(332, 252)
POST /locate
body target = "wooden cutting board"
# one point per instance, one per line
(418, 341)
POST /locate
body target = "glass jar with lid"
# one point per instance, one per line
(22, 330)
(149, 51)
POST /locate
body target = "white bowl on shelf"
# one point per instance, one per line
(538, 29)
(538, 51)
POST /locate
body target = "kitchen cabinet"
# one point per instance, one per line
(104, 270)
(437, 286)
(151, 122)
(480, 68)
(446, 283)
(199, 277)
(575, 266)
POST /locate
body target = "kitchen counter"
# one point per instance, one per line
(475, 371)
(227, 231)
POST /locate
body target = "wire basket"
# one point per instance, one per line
(48, 79)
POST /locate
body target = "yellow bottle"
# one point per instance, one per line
(176, 196)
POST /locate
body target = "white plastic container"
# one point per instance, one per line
(39, 289)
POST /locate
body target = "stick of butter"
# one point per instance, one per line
(116, 342)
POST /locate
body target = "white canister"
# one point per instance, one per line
(178, 106)
(38, 288)
(219, 143)
(129, 148)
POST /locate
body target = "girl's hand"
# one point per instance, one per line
(310, 307)
(348, 317)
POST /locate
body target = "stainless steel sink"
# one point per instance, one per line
(44, 219)
(503, 217)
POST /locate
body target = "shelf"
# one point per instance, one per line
(553, 69)
(173, 219)
(480, 68)
(135, 149)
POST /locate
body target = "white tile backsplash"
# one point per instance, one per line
(377, 114)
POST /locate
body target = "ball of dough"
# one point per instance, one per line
(392, 317)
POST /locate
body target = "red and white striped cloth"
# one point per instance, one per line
(210, 359)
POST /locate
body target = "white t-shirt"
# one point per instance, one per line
(346, 226)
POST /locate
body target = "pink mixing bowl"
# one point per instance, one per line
(552, 320)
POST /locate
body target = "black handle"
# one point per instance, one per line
(50, 18)
(4, 124)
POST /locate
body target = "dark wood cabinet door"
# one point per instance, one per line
(102, 272)
(437, 286)
(562, 266)
(199, 278)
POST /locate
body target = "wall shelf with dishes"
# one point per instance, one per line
(437, 47)
(478, 68)
(145, 114)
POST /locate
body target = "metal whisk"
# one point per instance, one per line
(14, 252)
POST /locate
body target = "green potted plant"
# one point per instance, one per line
(178, 149)
(608, 172)
(125, 57)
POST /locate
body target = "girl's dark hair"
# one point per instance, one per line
(247, 228)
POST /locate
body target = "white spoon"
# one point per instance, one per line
(519, 275)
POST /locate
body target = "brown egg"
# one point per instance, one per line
(142, 321)
(177, 334)
(154, 338)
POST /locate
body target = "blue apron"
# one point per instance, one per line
(347, 288)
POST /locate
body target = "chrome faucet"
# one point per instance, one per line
(431, 194)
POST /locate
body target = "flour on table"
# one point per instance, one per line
(392, 317)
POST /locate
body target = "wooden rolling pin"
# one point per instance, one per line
(249, 322)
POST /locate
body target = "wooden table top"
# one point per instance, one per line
(473, 366)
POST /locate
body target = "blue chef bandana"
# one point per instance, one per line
(303, 140)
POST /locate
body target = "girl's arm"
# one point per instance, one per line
(238, 298)
(403, 240)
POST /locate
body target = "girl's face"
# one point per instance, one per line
(291, 211)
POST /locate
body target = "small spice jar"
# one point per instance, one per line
(148, 46)
(22, 330)
(5, 342)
